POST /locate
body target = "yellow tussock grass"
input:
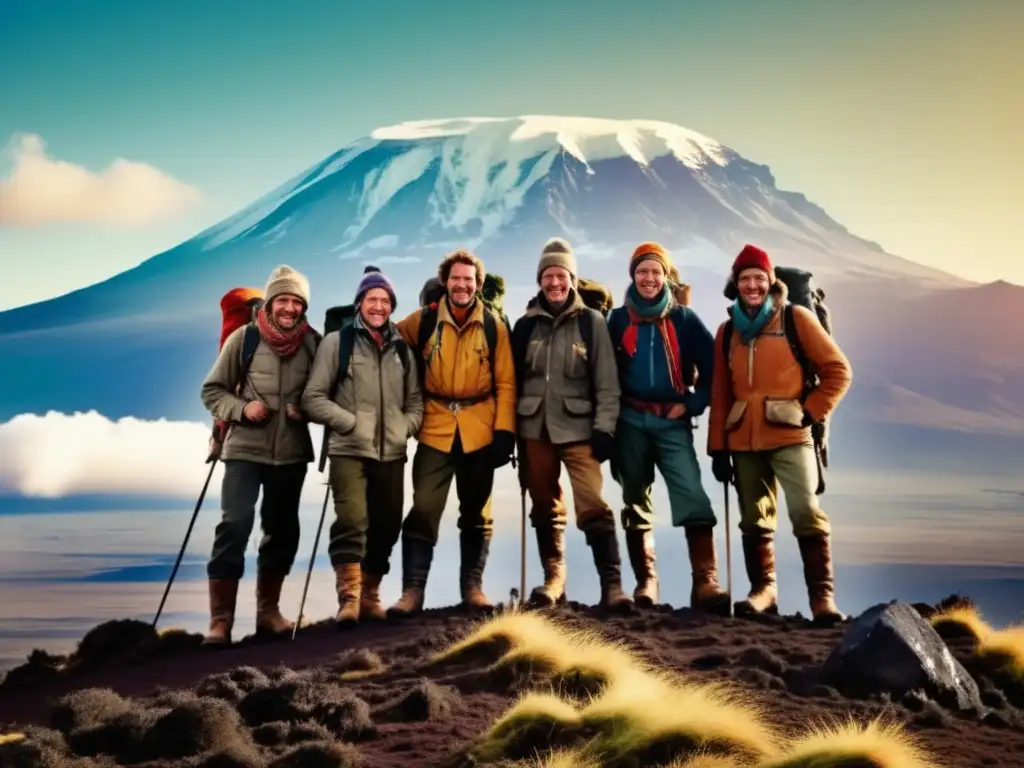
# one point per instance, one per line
(170, 631)
(708, 761)
(563, 758)
(361, 674)
(11, 738)
(512, 630)
(1004, 647)
(880, 744)
(657, 718)
(537, 721)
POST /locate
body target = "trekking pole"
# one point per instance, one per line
(312, 558)
(522, 551)
(728, 549)
(184, 544)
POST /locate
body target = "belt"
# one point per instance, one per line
(645, 406)
(455, 404)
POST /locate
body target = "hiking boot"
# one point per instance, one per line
(640, 546)
(706, 594)
(816, 552)
(417, 556)
(551, 548)
(605, 548)
(759, 558)
(269, 621)
(223, 594)
(474, 545)
(348, 580)
(370, 608)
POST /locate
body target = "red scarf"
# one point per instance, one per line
(284, 343)
(668, 338)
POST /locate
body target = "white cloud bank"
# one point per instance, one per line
(86, 453)
(43, 190)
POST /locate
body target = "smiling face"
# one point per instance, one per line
(649, 278)
(753, 285)
(375, 308)
(461, 285)
(286, 310)
(555, 283)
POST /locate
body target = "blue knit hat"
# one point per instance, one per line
(374, 278)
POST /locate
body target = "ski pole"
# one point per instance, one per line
(728, 549)
(312, 559)
(184, 544)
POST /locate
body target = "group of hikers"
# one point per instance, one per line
(573, 382)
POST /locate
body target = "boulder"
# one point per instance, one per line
(891, 648)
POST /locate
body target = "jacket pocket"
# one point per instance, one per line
(785, 413)
(578, 406)
(528, 405)
(736, 413)
(576, 361)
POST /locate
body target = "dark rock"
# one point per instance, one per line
(890, 648)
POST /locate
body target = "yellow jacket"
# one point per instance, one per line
(457, 368)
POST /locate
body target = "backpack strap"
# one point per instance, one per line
(793, 337)
(727, 341)
(491, 335)
(250, 340)
(428, 325)
(686, 365)
(586, 327)
(521, 335)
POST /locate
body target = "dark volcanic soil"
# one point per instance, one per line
(286, 703)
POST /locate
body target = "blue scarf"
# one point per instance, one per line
(748, 327)
(647, 308)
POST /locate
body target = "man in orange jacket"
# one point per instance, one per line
(759, 431)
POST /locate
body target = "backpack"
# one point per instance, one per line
(802, 291)
(238, 307)
(596, 298)
(342, 319)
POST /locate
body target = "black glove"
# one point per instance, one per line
(602, 446)
(502, 446)
(807, 421)
(721, 467)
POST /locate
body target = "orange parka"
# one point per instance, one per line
(755, 393)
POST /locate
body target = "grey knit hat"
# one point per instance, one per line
(284, 279)
(557, 253)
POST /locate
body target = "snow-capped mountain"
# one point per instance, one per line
(139, 343)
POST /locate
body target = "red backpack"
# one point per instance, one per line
(238, 307)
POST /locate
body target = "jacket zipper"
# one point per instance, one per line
(380, 409)
(650, 362)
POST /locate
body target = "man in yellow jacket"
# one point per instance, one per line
(468, 428)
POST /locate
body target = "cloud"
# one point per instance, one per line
(43, 190)
(86, 453)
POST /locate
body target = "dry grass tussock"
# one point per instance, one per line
(11, 738)
(522, 644)
(535, 723)
(878, 744)
(1003, 647)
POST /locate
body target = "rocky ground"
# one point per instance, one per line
(366, 696)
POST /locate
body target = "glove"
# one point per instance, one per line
(502, 446)
(808, 420)
(602, 445)
(721, 467)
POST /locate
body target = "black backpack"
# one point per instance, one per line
(803, 291)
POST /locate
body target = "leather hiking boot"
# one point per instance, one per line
(223, 595)
(269, 621)
(706, 594)
(640, 546)
(370, 608)
(348, 580)
(605, 548)
(551, 547)
(417, 555)
(759, 559)
(816, 552)
(475, 546)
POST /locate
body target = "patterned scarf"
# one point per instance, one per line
(284, 343)
(641, 310)
(748, 327)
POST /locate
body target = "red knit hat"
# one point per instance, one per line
(753, 257)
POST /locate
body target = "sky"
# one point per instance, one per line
(158, 119)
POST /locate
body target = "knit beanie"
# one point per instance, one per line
(557, 253)
(374, 278)
(753, 257)
(284, 279)
(654, 251)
